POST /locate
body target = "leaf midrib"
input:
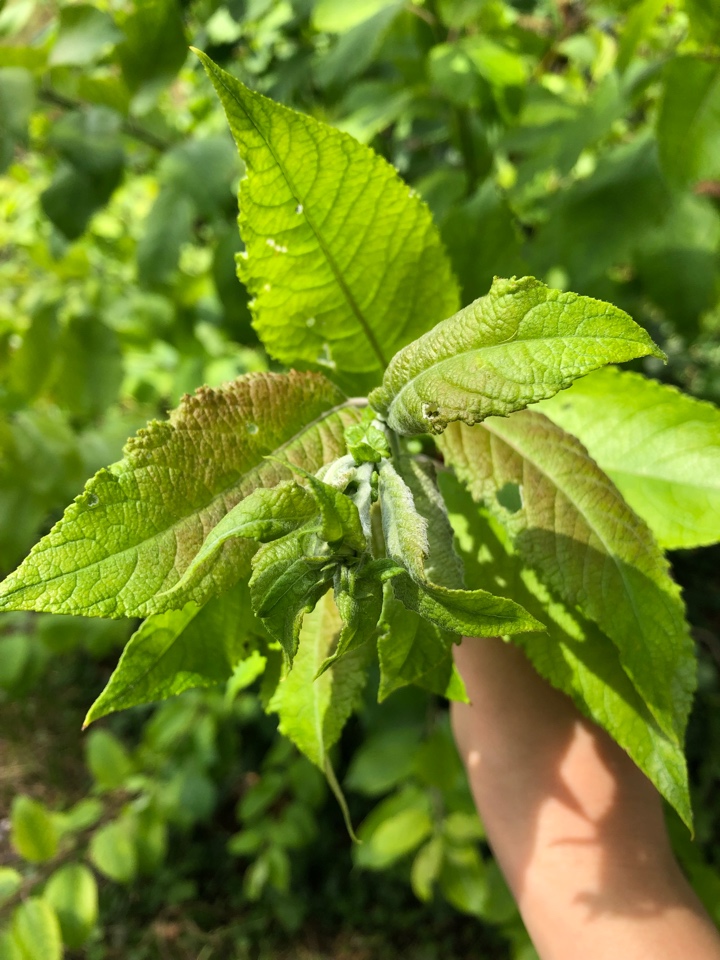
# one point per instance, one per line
(347, 293)
(435, 367)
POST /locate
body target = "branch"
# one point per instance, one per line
(129, 126)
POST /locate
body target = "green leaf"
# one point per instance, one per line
(84, 34)
(406, 539)
(264, 515)
(36, 931)
(17, 96)
(340, 518)
(313, 712)
(288, 579)
(113, 851)
(519, 344)
(409, 646)
(395, 828)
(463, 880)
(322, 217)
(134, 531)
(359, 600)
(572, 526)
(10, 883)
(367, 443)
(155, 46)
(688, 125)
(178, 650)
(34, 832)
(9, 947)
(72, 893)
(659, 446)
(426, 869)
(573, 654)
(339, 16)
(108, 760)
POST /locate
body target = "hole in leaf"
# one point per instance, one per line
(510, 497)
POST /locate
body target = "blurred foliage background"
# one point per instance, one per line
(576, 141)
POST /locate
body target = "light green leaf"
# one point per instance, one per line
(367, 443)
(323, 218)
(72, 893)
(463, 880)
(359, 600)
(475, 613)
(113, 852)
(405, 531)
(34, 833)
(573, 654)
(9, 947)
(108, 760)
(572, 526)
(519, 344)
(688, 125)
(339, 16)
(179, 650)
(340, 517)
(10, 883)
(444, 680)
(134, 531)
(313, 711)
(426, 869)
(288, 579)
(661, 447)
(395, 828)
(409, 646)
(264, 515)
(85, 34)
(36, 931)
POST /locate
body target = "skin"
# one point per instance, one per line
(576, 828)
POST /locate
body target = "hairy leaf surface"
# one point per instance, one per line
(178, 650)
(359, 600)
(313, 711)
(139, 523)
(573, 653)
(343, 259)
(519, 344)
(572, 526)
(661, 447)
(409, 647)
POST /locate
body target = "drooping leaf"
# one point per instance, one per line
(572, 653)
(289, 577)
(661, 447)
(570, 524)
(72, 892)
(409, 647)
(358, 593)
(519, 344)
(36, 930)
(313, 711)
(689, 121)
(138, 525)
(178, 650)
(323, 218)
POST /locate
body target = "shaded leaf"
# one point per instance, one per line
(72, 893)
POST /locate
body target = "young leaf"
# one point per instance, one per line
(519, 344)
(134, 531)
(289, 576)
(570, 524)
(339, 515)
(344, 262)
(573, 654)
(178, 650)
(36, 931)
(313, 711)
(409, 647)
(406, 539)
(661, 447)
(264, 515)
(359, 600)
